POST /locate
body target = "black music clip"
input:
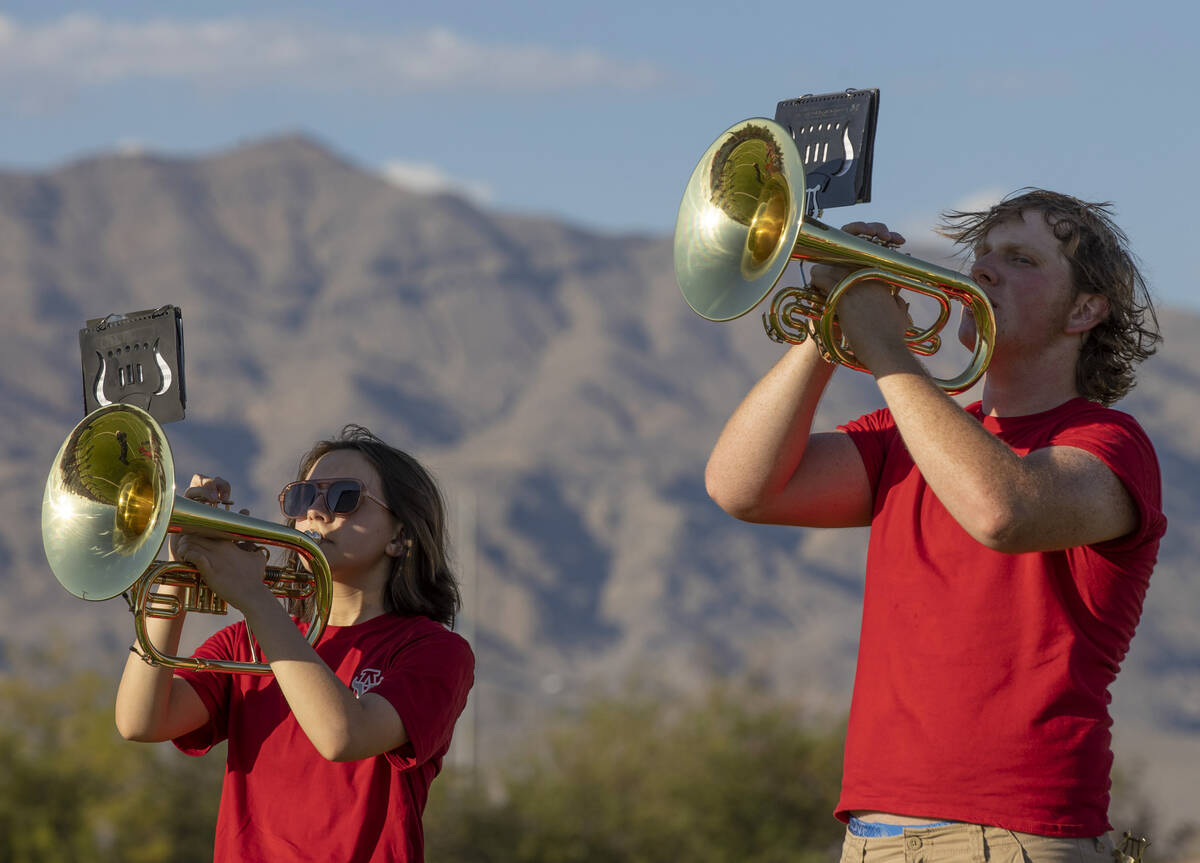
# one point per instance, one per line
(135, 359)
(835, 133)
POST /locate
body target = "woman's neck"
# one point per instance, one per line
(355, 603)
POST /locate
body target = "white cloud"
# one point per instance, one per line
(130, 146)
(82, 50)
(430, 179)
(980, 200)
(920, 228)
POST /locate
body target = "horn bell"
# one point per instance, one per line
(110, 502)
(742, 221)
(739, 218)
(106, 506)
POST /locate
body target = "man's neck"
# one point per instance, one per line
(1009, 401)
(1020, 386)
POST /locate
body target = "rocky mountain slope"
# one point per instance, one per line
(551, 376)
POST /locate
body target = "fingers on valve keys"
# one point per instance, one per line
(212, 490)
(876, 231)
(215, 491)
(825, 277)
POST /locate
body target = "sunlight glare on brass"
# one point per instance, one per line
(740, 224)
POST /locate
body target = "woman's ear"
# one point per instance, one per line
(1087, 311)
(398, 546)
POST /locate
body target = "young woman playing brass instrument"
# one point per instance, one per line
(331, 756)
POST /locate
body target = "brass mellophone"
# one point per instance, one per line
(109, 504)
(741, 222)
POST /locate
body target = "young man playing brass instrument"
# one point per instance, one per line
(1011, 545)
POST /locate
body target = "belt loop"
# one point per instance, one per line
(854, 849)
(978, 850)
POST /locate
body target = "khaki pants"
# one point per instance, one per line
(971, 843)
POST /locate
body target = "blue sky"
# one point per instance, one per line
(598, 112)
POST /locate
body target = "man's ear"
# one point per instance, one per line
(1087, 311)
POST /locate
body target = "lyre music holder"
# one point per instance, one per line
(135, 359)
(835, 133)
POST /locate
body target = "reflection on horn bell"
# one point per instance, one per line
(109, 504)
(742, 221)
(103, 506)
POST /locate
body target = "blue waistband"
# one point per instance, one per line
(858, 827)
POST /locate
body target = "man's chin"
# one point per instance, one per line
(966, 330)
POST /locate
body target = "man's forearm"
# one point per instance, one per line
(764, 440)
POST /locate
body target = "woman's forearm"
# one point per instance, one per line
(144, 696)
(340, 726)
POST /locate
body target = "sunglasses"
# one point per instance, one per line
(342, 496)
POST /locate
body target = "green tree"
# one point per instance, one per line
(728, 777)
(72, 790)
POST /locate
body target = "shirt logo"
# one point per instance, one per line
(366, 680)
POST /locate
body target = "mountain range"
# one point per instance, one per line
(554, 381)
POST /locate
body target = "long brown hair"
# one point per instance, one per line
(421, 581)
(1101, 263)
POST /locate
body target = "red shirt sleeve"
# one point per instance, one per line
(214, 690)
(873, 434)
(1118, 440)
(427, 682)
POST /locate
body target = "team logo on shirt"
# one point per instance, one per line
(366, 680)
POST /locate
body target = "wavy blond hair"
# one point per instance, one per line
(1101, 263)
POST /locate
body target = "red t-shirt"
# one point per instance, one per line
(280, 799)
(981, 692)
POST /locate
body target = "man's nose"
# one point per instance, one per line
(982, 274)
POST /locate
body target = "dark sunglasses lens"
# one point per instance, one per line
(297, 498)
(343, 497)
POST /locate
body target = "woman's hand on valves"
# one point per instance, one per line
(234, 570)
